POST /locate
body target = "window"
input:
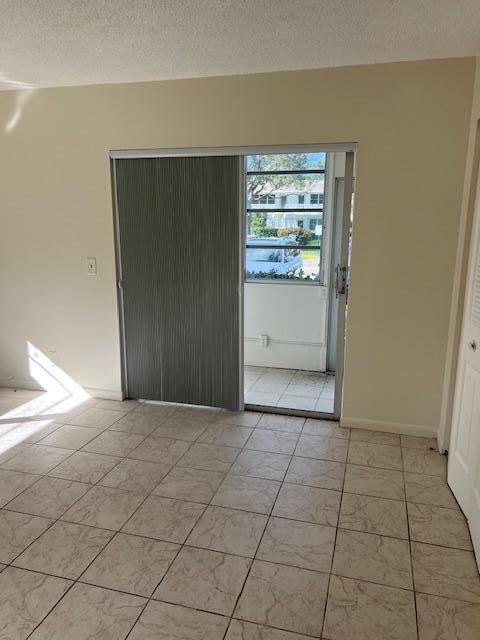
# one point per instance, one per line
(280, 247)
(266, 199)
(316, 198)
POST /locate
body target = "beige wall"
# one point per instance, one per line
(411, 124)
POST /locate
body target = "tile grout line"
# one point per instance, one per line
(410, 548)
(335, 540)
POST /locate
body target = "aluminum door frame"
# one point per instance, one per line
(350, 149)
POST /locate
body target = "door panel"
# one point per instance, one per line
(178, 222)
(464, 453)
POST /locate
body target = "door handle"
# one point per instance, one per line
(473, 345)
(340, 280)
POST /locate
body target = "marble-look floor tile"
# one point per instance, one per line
(71, 437)
(84, 467)
(284, 597)
(371, 481)
(240, 418)
(135, 475)
(25, 599)
(225, 435)
(162, 450)
(104, 507)
(334, 449)
(203, 579)
(35, 430)
(241, 630)
(11, 450)
(416, 442)
(374, 515)
(164, 621)
(432, 490)
(420, 461)
(367, 611)
(248, 494)
(309, 504)
(142, 424)
(303, 403)
(49, 497)
(159, 410)
(114, 443)
(375, 437)
(90, 612)
(37, 459)
(303, 390)
(228, 530)
(445, 572)
(290, 424)
(325, 428)
(194, 412)
(367, 556)
(164, 519)
(132, 564)
(375, 455)
(190, 484)
(316, 473)
(17, 531)
(436, 525)
(180, 430)
(447, 619)
(261, 464)
(272, 441)
(262, 398)
(12, 483)
(64, 550)
(96, 418)
(300, 544)
(121, 406)
(209, 457)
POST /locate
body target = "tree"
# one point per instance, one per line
(259, 185)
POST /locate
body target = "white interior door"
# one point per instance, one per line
(464, 452)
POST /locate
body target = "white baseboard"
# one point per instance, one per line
(389, 427)
(31, 385)
(104, 394)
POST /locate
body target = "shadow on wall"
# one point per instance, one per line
(27, 416)
(24, 93)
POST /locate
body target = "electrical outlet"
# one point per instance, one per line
(92, 266)
(264, 340)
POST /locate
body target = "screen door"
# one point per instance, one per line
(179, 267)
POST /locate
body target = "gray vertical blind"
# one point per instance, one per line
(179, 225)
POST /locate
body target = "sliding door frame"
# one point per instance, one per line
(118, 154)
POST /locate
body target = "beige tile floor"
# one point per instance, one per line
(289, 388)
(160, 522)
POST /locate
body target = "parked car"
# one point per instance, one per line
(281, 255)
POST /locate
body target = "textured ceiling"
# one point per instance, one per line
(62, 42)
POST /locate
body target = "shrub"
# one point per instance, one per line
(302, 236)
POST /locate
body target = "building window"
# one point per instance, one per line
(280, 247)
(266, 199)
(316, 198)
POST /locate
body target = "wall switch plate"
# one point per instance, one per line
(264, 340)
(92, 266)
